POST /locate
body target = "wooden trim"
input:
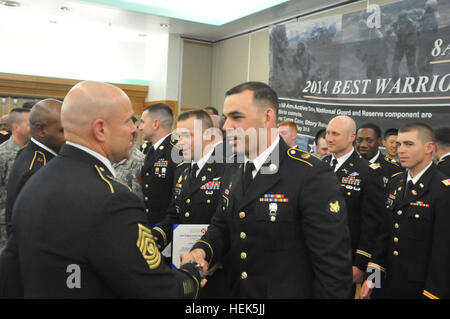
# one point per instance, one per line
(198, 43)
(48, 87)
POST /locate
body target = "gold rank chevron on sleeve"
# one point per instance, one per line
(147, 247)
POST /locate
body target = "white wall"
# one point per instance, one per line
(55, 51)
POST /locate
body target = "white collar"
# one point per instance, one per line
(201, 162)
(373, 159)
(418, 176)
(98, 156)
(445, 155)
(262, 158)
(341, 160)
(48, 149)
(157, 144)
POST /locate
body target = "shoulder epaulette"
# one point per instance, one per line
(182, 163)
(40, 157)
(375, 165)
(120, 182)
(391, 161)
(446, 182)
(173, 143)
(3, 132)
(398, 173)
(100, 171)
(299, 155)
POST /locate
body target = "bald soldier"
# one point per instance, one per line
(362, 186)
(47, 137)
(91, 236)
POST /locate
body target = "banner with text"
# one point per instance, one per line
(388, 64)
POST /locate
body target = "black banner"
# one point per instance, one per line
(388, 64)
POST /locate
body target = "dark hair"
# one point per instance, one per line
(390, 132)
(164, 112)
(373, 127)
(199, 115)
(424, 131)
(261, 93)
(15, 116)
(320, 134)
(442, 136)
(213, 109)
(28, 104)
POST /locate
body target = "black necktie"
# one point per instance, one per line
(193, 173)
(150, 151)
(408, 188)
(248, 176)
(333, 163)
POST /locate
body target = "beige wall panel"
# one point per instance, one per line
(196, 75)
(230, 67)
(259, 56)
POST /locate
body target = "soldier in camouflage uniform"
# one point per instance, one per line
(20, 134)
(128, 169)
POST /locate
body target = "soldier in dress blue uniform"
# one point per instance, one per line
(412, 252)
(368, 139)
(198, 181)
(442, 150)
(85, 234)
(362, 186)
(390, 144)
(157, 173)
(281, 220)
(47, 137)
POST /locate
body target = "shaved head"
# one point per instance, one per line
(45, 123)
(43, 112)
(340, 135)
(98, 115)
(345, 122)
(87, 101)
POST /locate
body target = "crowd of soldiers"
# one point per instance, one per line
(86, 214)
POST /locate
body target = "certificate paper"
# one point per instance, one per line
(184, 237)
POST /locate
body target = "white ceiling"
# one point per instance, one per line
(88, 16)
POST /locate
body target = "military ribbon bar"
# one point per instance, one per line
(211, 186)
(419, 203)
(274, 198)
(350, 181)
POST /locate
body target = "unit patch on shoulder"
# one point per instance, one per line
(446, 182)
(148, 248)
(299, 155)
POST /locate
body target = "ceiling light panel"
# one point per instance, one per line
(213, 12)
